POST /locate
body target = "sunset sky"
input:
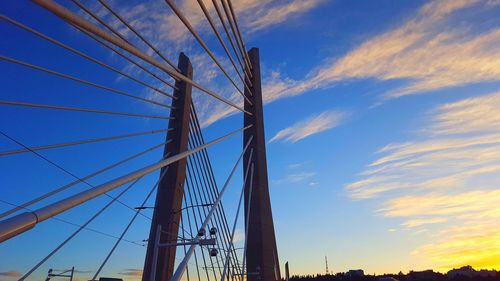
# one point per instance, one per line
(382, 121)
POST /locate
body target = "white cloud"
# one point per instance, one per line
(427, 51)
(160, 26)
(469, 116)
(266, 16)
(312, 125)
(239, 235)
(298, 177)
(447, 177)
(430, 51)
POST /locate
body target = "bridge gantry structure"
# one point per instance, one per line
(191, 236)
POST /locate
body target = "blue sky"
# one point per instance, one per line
(381, 121)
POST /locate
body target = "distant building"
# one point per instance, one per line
(426, 275)
(468, 271)
(110, 279)
(387, 278)
(355, 273)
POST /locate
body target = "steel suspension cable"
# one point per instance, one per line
(119, 53)
(72, 18)
(233, 29)
(247, 221)
(233, 46)
(91, 175)
(201, 191)
(77, 231)
(96, 231)
(79, 142)
(62, 169)
(221, 222)
(81, 54)
(237, 215)
(182, 266)
(224, 244)
(134, 217)
(184, 246)
(188, 184)
(221, 41)
(26, 221)
(75, 224)
(202, 197)
(238, 31)
(191, 234)
(108, 7)
(79, 109)
(219, 214)
(207, 168)
(73, 78)
(205, 47)
(99, 20)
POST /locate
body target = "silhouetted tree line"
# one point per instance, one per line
(400, 277)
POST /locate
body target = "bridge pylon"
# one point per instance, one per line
(261, 254)
(171, 185)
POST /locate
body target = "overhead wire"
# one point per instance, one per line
(75, 224)
(88, 176)
(77, 231)
(84, 141)
(63, 169)
(134, 217)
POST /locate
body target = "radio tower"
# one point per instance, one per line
(326, 263)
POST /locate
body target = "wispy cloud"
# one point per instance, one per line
(425, 50)
(132, 272)
(239, 235)
(298, 173)
(311, 126)
(160, 26)
(420, 222)
(277, 12)
(448, 177)
(295, 177)
(12, 274)
(469, 116)
(429, 50)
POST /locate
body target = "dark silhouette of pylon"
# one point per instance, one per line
(262, 254)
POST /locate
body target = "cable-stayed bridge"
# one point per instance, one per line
(191, 236)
